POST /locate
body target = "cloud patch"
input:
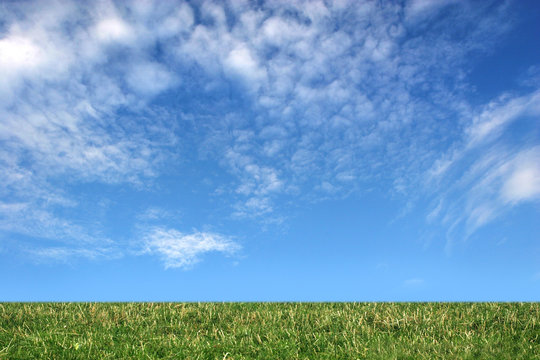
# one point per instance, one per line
(522, 177)
(181, 250)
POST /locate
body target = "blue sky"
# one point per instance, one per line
(239, 150)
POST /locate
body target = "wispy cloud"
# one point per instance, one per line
(499, 114)
(71, 254)
(490, 170)
(180, 250)
(418, 9)
(156, 214)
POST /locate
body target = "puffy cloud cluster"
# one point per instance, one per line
(63, 77)
(304, 99)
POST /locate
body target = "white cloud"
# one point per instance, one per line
(486, 187)
(281, 32)
(254, 207)
(64, 254)
(367, 126)
(434, 213)
(114, 29)
(18, 53)
(242, 62)
(150, 78)
(334, 90)
(522, 180)
(418, 9)
(182, 250)
(499, 114)
(155, 214)
(12, 207)
(180, 21)
(489, 170)
(58, 108)
(20, 57)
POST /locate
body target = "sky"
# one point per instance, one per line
(270, 150)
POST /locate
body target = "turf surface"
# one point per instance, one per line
(270, 330)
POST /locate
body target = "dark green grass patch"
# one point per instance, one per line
(270, 330)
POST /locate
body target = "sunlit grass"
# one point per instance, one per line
(270, 330)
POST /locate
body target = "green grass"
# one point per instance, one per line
(270, 330)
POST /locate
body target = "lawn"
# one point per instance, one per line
(270, 330)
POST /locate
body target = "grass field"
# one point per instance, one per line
(270, 330)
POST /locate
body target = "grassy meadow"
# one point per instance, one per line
(270, 330)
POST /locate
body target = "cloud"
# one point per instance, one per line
(178, 21)
(308, 99)
(61, 88)
(180, 250)
(418, 9)
(64, 254)
(500, 113)
(242, 62)
(489, 170)
(150, 78)
(18, 53)
(114, 29)
(155, 214)
(373, 125)
(522, 177)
